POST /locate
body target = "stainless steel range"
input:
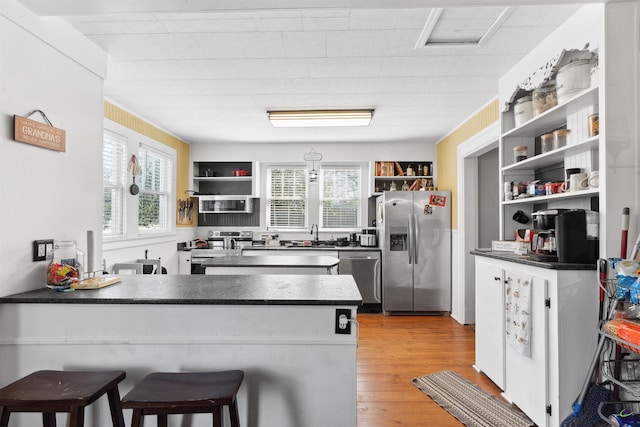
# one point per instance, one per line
(221, 243)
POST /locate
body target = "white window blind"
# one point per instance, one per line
(154, 209)
(287, 197)
(113, 183)
(340, 197)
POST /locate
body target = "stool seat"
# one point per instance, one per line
(163, 393)
(49, 392)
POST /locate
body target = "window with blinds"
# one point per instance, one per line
(154, 207)
(114, 148)
(287, 197)
(340, 197)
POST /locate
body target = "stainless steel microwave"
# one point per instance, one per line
(225, 204)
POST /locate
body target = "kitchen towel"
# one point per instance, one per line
(518, 312)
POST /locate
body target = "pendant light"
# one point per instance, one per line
(313, 157)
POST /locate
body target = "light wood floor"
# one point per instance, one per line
(392, 350)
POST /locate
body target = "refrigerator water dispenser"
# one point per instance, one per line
(398, 239)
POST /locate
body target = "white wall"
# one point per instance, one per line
(47, 194)
(331, 152)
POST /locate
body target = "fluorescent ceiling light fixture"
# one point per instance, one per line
(320, 118)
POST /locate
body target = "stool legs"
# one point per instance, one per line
(76, 416)
(233, 413)
(115, 406)
(137, 418)
(4, 417)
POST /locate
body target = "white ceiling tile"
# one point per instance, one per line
(392, 42)
(262, 45)
(347, 43)
(325, 23)
(214, 25)
(279, 24)
(388, 19)
(211, 76)
(172, 46)
(90, 27)
(305, 44)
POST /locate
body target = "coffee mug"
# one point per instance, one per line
(521, 217)
(553, 187)
(594, 179)
(576, 182)
(571, 171)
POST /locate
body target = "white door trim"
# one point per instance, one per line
(463, 300)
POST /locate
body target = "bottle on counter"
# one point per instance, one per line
(405, 186)
(393, 187)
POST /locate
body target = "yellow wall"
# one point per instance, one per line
(127, 119)
(447, 155)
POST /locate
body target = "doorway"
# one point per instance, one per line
(488, 190)
(473, 186)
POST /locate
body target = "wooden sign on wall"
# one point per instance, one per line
(39, 134)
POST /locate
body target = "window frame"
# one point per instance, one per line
(313, 195)
(269, 197)
(119, 186)
(131, 232)
(358, 198)
(165, 193)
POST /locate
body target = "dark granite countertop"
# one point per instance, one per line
(209, 290)
(272, 261)
(526, 259)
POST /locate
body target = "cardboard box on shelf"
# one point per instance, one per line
(518, 247)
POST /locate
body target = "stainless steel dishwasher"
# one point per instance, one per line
(364, 266)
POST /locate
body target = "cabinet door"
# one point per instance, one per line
(527, 377)
(490, 321)
(184, 266)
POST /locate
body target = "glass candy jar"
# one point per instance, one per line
(65, 267)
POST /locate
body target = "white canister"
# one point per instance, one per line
(573, 78)
(523, 110)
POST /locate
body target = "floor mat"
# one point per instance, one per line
(471, 405)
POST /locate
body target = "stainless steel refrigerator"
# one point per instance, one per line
(414, 228)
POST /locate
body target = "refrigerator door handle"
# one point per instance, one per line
(416, 238)
(410, 239)
(376, 288)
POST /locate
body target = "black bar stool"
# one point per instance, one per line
(49, 392)
(163, 393)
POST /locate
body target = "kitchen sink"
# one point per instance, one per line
(313, 245)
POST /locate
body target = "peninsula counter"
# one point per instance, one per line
(272, 264)
(279, 329)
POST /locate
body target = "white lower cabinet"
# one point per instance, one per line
(184, 262)
(490, 321)
(563, 336)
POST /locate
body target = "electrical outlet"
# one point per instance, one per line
(42, 249)
(343, 323)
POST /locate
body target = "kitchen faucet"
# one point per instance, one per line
(315, 238)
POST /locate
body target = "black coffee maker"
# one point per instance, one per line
(577, 236)
(545, 243)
